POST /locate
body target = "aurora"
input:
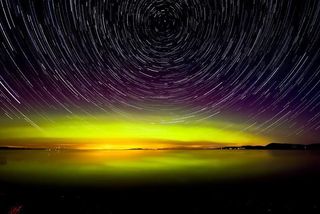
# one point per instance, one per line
(110, 133)
(159, 106)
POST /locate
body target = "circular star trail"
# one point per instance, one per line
(194, 59)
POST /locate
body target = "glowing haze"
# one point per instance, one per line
(111, 133)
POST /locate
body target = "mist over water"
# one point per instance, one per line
(150, 167)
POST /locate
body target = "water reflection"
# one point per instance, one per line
(147, 166)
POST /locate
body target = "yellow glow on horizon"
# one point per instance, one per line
(116, 134)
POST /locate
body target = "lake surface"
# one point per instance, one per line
(144, 167)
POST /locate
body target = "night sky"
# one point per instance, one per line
(252, 66)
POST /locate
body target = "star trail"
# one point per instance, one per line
(253, 64)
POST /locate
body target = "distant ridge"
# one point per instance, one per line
(271, 146)
(278, 146)
(20, 148)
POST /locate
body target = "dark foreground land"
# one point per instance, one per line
(294, 194)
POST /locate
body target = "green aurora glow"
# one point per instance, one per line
(111, 133)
